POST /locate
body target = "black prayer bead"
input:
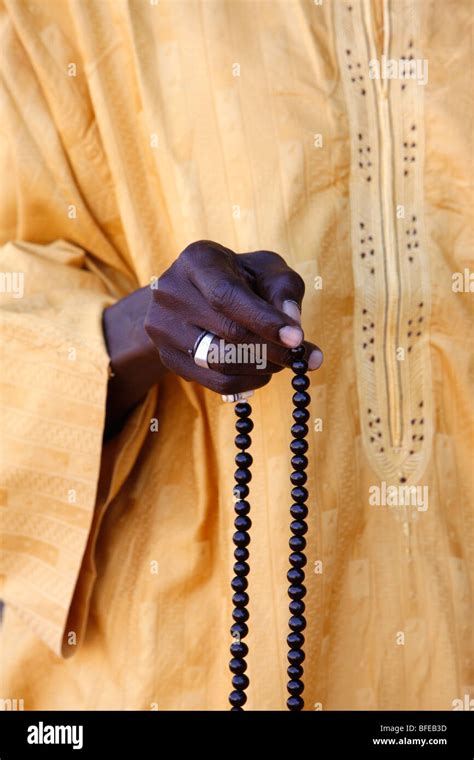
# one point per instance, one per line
(299, 430)
(299, 446)
(241, 538)
(240, 682)
(240, 615)
(301, 399)
(300, 382)
(242, 522)
(241, 554)
(295, 640)
(243, 459)
(298, 527)
(297, 591)
(299, 462)
(297, 559)
(296, 656)
(301, 415)
(241, 568)
(298, 352)
(237, 698)
(295, 704)
(244, 425)
(295, 576)
(243, 409)
(242, 507)
(298, 477)
(299, 494)
(238, 649)
(299, 511)
(243, 476)
(297, 606)
(242, 441)
(295, 687)
(239, 584)
(297, 543)
(240, 491)
(300, 366)
(240, 599)
(297, 623)
(239, 630)
(294, 672)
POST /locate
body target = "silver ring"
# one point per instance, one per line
(201, 351)
(196, 342)
(233, 397)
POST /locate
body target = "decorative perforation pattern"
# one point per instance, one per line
(390, 265)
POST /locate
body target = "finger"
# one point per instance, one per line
(284, 288)
(183, 365)
(246, 357)
(275, 281)
(285, 358)
(164, 328)
(227, 294)
(233, 359)
(277, 355)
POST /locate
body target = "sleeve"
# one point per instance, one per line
(56, 478)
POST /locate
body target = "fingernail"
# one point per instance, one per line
(291, 336)
(315, 359)
(291, 308)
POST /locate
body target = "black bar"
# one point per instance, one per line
(318, 734)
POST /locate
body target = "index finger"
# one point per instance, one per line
(229, 295)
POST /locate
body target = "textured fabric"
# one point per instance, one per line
(129, 130)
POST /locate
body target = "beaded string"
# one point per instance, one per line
(241, 538)
(298, 527)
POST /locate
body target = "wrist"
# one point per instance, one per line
(135, 364)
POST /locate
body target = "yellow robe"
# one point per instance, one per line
(127, 131)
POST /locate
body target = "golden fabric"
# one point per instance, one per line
(129, 130)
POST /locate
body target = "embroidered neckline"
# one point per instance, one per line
(390, 264)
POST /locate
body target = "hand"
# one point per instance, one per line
(249, 299)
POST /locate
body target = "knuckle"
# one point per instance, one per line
(233, 332)
(194, 250)
(155, 330)
(167, 357)
(191, 250)
(152, 330)
(166, 289)
(222, 295)
(225, 385)
(264, 323)
(268, 258)
(295, 283)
